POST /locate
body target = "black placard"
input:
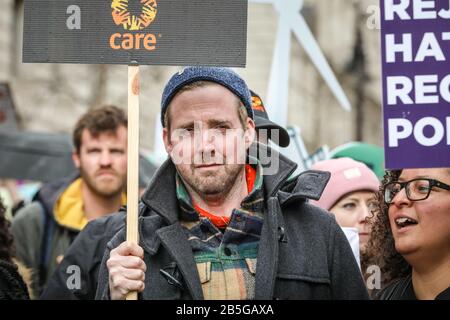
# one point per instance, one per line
(153, 32)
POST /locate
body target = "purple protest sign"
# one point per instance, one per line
(415, 45)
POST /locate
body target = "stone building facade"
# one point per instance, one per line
(50, 97)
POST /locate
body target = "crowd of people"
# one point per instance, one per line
(217, 222)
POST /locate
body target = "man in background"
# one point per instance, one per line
(44, 229)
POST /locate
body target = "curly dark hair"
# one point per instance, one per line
(12, 285)
(6, 238)
(381, 246)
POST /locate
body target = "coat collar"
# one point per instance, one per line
(160, 195)
(273, 182)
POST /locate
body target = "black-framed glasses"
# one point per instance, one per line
(416, 189)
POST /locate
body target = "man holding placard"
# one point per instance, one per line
(212, 225)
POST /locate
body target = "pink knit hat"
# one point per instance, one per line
(347, 175)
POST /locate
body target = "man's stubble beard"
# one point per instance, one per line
(212, 183)
(96, 189)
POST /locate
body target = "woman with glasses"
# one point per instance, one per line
(411, 234)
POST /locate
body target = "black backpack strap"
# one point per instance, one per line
(46, 245)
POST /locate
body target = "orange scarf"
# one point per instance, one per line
(221, 222)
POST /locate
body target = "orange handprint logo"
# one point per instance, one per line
(122, 16)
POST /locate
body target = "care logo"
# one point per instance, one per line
(122, 16)
(132, 21)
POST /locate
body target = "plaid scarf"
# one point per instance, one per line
(226, 261)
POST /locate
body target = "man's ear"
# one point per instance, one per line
(250, 133)
(167, 141)
(76, 159)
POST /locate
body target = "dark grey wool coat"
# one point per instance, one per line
(303, 254)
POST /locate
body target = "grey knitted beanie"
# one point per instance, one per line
(223, 76)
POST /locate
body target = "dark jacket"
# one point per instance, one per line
(303, 254)
(402, 289)
(86, 252)
(39, 239)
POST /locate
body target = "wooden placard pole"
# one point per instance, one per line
(133, 158)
